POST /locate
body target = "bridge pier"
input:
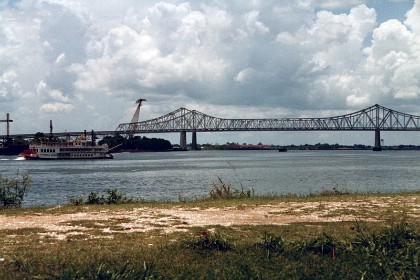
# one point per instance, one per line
(183, 140)
(377, 147)
(194, 145)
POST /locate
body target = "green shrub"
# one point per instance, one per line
(13, 190)
(116, 197)
(113, 196)
(93, 198)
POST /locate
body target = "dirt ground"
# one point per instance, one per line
(179, 218)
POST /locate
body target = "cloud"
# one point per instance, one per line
(336, 4)
(413, 18)
(57, 107)
(253, 24)
(393, 62)
(92, 58)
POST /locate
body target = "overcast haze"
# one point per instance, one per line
(83, 63)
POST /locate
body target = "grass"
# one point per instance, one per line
(356, 249)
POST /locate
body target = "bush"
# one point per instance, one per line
(117, 197)
(12, 191)
(113, 196)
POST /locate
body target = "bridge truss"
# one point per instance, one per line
(373, 118)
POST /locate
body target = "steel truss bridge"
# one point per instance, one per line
(375, 118)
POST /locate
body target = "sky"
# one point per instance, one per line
(84, 63)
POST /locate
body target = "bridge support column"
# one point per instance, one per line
(183, 140)
(194, 145)
(377, 147)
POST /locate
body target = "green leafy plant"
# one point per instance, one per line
(94, 198)
(13, 190)
(113, 196)
(116, 197)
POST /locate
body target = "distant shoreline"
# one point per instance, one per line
(323, 147)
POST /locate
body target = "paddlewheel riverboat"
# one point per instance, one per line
(79, 148)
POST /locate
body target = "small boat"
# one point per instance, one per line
(282, 150)
(79, 148)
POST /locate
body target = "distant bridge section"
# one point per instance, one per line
(374, 118)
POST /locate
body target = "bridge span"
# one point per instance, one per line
(374, 118)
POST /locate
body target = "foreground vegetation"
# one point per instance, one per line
(380, 244)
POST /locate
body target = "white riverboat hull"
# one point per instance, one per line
(71, 149)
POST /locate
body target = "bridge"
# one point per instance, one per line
(374, 118)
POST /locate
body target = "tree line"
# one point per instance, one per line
(119, 143)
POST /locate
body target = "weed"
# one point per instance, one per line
(224, 190)
(12, 191)
(104, 271)
(209, 241)
(333, 192)
(271, 243)
(394, 251)
(113, 196)
(76, 200)
(323, 245)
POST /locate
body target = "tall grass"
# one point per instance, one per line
(275, 252)
(222, 190)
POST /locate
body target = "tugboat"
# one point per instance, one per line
(79, 148)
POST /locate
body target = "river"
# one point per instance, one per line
(174, 175)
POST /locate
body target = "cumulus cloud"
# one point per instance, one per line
(81, 57)
(413, 18)
(55, 107)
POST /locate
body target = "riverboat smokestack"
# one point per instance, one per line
(93, 139)
(51, 128)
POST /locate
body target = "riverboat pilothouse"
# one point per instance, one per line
(79, 148)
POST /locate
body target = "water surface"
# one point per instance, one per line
(168, 176)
